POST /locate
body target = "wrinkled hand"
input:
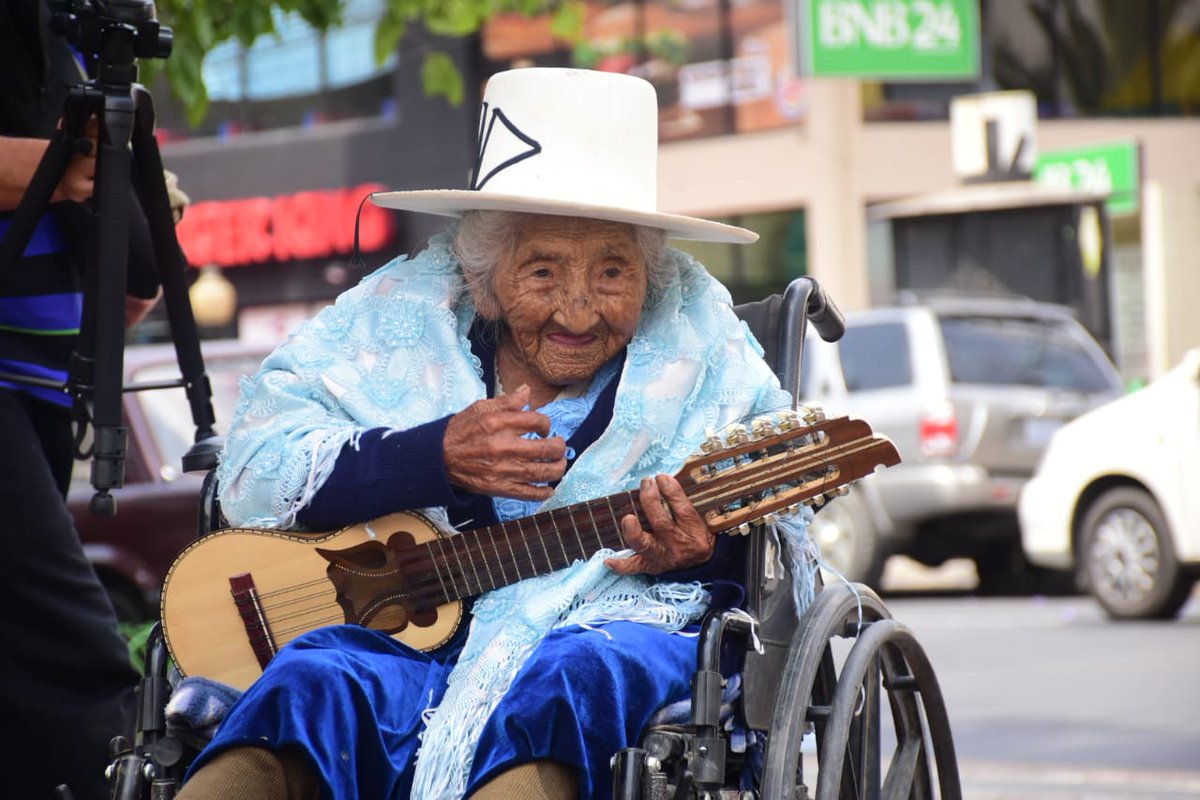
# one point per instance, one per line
(678, 538)
(485, 454)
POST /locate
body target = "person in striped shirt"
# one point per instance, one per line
(68, 683)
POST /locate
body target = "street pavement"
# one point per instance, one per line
(1048, 699)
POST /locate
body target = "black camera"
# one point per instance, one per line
(114, 32)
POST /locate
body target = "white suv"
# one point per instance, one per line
(970, 390)
(1115, 497)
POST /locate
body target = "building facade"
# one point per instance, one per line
(745, 138)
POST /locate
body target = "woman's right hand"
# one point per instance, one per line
(485, 453)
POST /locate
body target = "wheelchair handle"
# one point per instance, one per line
(826, 317)
(805, 301)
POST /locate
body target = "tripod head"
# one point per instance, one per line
(114, 32)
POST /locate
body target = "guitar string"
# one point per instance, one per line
(625, 505)
(418, 591)
(421, 585)
(567, 558)
(480, 551)
(418, 588)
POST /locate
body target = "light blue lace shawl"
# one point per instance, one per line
(393, 351)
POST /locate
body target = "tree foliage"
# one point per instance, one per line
(200, 25)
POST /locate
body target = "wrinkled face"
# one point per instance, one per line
(570, 296)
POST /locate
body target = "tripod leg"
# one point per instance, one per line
(172, 267)
(102, 332)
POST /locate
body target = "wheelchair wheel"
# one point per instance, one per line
(842, 708)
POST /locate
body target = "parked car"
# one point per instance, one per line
(157, 508)
(1115, 498)
(970, 390)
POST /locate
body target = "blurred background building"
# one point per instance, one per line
(826, 125)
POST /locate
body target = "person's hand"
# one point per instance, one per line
(79, 179)
(678, 536)
(484, 452)
(176, 197)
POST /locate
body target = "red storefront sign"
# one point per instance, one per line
(253, 230)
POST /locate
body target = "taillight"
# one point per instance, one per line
(939, 432)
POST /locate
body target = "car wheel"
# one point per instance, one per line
(1129, 559)
(847, 539)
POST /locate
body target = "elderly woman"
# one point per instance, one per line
(549, 349)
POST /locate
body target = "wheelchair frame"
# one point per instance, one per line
(793, 686)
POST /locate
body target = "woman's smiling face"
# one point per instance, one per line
(569, 296)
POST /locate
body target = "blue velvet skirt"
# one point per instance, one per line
(351, 700)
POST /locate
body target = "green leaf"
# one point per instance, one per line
(567, 21)
(440, 76)
(251, 20)
(456, 17)
(184, 71)
(388, 32)
(585, 55)
(321, 14)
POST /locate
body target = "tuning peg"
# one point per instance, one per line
(840, 491)
(743, 529)
(812, 414)
(788, 421)
(816, 501)
(711, 443)
(737, 434)
(761, 428)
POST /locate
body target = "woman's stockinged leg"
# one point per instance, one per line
(538, 780)
(253, 773)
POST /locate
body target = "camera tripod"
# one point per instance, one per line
(129, 173)
(117, 33)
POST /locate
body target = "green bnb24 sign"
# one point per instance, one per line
(1112, 167)
(891, 39)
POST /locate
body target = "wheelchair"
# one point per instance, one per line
(823, 673)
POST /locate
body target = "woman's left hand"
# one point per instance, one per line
(678, 537)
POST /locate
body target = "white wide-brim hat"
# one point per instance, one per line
(570, 142)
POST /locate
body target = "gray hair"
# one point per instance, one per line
(485, 238)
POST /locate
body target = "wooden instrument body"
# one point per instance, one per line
(208, 637)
